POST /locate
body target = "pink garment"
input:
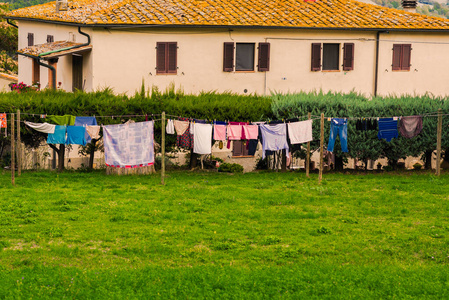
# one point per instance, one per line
(219, 132)
(251, 132)
(235, 132)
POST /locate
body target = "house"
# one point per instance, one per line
(241, 46)
(6, 80)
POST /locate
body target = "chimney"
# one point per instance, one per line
(61, 5)
(409, 5)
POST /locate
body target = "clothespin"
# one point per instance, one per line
(328, 119)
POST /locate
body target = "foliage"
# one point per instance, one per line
(210, 235)
(15, 4)
(21, 87)
(8, 44)
(365, 145)
(230, 168)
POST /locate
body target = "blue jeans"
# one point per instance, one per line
(338, 127)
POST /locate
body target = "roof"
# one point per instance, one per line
(9, 77)
(337, 14)
(55, 49)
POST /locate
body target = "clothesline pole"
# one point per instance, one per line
(439, 130)
(163, 150)
(320, 177)
(13, 154)
(19, 146)
(308, 151)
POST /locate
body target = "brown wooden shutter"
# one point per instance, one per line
(316, 57)
(30, 39)
(396, 65)
(264, 57)
(406, 53)
(50, 39)
(348, 57)
(228, 57)
(237, 148)
(172, 66)
(160, 58)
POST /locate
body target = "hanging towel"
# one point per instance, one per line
(274, 137)
(80, 121)
(219, 132)
(3, 123)
(42, 127)
(93, 132)
(129, 145)
(410, 126)
(202, 136)
(62, 120)
(170, 128)
(76, 135)
(300, 132)
(251, 132)
(388, 129)
(181, 126)
(58, 137)
(86, 121)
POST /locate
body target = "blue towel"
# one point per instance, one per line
(59, 136)
(86, 121)
(76, 135)
(388, 129)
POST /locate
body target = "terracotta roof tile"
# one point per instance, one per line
(283, 13)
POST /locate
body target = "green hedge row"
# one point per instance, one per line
(365, 144)
(362, 145)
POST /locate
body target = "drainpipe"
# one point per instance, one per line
(38, 59)
(69, 48)
(12, 24)
(376, 72)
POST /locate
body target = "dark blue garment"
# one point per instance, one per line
(252, 146)
(339, 127)
(220, 123)
(76, 135)
(388, 129)
(86, 121)
(59, 136)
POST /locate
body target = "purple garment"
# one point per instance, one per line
(410, 126)
(274, 137)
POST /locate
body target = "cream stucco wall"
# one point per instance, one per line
(122, 58)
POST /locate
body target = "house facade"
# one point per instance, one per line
(233, 46)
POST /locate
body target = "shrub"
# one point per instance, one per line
(417, 166)
(230, 168)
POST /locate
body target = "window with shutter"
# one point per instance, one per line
(30, 39)
(228, 57)
(264, 57)
(36, 75)
(166, 58)
(239, 148)
(50, 39)
(401, 57)
(348, 57)
(316, 57)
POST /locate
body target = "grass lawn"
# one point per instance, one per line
(212, 235)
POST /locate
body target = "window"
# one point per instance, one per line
(50, 39)
(401, 57)
(239, 148)
(245, 57)
(30, 39)
(331, 57)
(166, 58)
(36, 75)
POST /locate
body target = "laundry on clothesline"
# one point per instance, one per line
(59, 136)
(202, 136)
(274, 137)
(41, 127)
(339, 127)
(76, 135)
(129, 145)
(300, 132)
(410, 126)
(170, 128)
(388, 129)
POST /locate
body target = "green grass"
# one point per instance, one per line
(213, 235)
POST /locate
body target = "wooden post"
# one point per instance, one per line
(163, 150)
(439, 130)
(308, 152)
(320, 177)
(19, 146)
(13, 154)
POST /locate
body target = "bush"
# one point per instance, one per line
(230, 168)
(417, 166)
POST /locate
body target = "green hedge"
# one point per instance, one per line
(365, 144)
